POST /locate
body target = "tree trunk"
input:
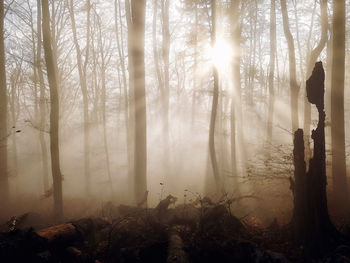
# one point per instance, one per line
(131, 97)
(294, 88)
(103, 84)
(237, 137)
(137, 55)
(271, 69)
(42, 104)
(337, 105)
(4, 185)
(311, 220)
(165, 94)
(214, 163)
(82, 70)
(54, 113)
(195, 59)
(14, 80)
(127, 99)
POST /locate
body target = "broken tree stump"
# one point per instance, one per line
(313, 227)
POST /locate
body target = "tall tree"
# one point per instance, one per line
(236, 91)
(137, 30)
(104, 64)
(54, 112)
(271, 68)
(82, 70)
(165, 5)
(4, 185)
(337, 103)
(42, 103)
(212, 151)
(294, 88)
(131, 98)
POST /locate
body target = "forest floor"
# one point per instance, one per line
(198, 232)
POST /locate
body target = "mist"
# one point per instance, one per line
(130, 103)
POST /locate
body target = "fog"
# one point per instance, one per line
(180, 55)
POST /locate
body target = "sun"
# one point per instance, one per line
(221, 54)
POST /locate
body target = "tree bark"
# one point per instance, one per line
(311, 219)
(137, 55)
(271, 69)
(236, 89)
(82, 70)
(54, 113)
(294, 88)
(132, 131)
(337, 105)
(42, 104)
(212, 152)
(4, 184)
(165, 4)
(103, 98)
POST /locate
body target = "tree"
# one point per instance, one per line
(42, 103)
(294, 88)
(137, 30)
(51, 65)
(82, 70)
(4, 185)
(212, 151)
(236, 92)
(337, 104)
(165, 4)
(271, 68)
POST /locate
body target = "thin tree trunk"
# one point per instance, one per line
(131, 97)
(271, 69)
(237, 137)
(82, 67)
(13, 81)
(54, 113)
(104, 121)
(337, 104)
(214, 163)
(195, 59)
(165, 94)
(294, 88)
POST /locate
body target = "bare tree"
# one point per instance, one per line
(212, 151)
(42, 101)
(82, 70)
(294, 88)
(271, 68)
(54, 112)
(165, 4)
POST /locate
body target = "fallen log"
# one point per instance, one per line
(74, 231)
(176, 252)
(60, 233)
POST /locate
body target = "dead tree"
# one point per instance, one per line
(313, 227)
